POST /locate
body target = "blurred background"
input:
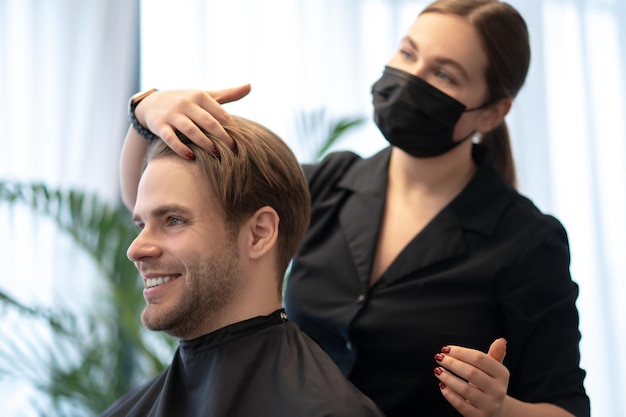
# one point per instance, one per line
(68, 67)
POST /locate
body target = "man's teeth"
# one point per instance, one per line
(155, 282)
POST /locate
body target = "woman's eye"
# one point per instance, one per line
(444, 77)
(406, 54)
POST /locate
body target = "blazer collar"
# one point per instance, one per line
(369, 176)
(483, 201)
(477, 208)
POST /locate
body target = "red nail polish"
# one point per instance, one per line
(438, 371)
(442, 385)
(438, 357)
(216, 153)
(445, 349)
(190, 155)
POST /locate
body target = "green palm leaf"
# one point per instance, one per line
(317, 133)
(94, 360)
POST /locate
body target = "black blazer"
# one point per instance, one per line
(488, 265)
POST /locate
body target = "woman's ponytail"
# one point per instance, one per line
(499, 145)
(504, 36)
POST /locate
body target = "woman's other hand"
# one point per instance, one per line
(474, 382)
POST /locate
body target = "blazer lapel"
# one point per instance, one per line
(440, 240)
(361, 215)
(360, 221)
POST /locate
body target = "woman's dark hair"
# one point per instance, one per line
(505, 40)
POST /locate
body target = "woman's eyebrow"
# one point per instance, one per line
(441, 60)
(453, 63)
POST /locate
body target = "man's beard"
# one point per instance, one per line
(209, 287)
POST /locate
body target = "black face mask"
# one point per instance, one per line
(415, 116)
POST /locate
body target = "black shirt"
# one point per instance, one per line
(488, 265)
(264, 366)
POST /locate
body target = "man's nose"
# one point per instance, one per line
(144, 246)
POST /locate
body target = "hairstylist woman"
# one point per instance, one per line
(426, 244)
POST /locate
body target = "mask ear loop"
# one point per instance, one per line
(471, 134)
(481, 107)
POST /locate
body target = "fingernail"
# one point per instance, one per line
(190, 155)
(445, 349)
(438, 371)
(216, 153)
(442, 385)
(438, 357)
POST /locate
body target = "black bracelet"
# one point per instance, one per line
(132, 105)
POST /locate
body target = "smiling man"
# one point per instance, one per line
(217, 233)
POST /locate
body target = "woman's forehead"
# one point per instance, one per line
(448, 37)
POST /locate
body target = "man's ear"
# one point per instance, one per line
(494, 115)
(262, 232)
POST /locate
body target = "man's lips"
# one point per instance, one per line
(155, 281)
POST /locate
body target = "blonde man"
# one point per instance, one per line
(216, 235)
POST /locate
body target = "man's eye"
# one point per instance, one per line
(174, 221)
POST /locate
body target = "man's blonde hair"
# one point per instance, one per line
(259, 170)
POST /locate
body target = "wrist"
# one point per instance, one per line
(132, 105)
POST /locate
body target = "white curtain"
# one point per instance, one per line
(67, 68)
(567, 124)
(570, 142)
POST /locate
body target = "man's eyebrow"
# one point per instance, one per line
(163, 210)
(440, 60)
